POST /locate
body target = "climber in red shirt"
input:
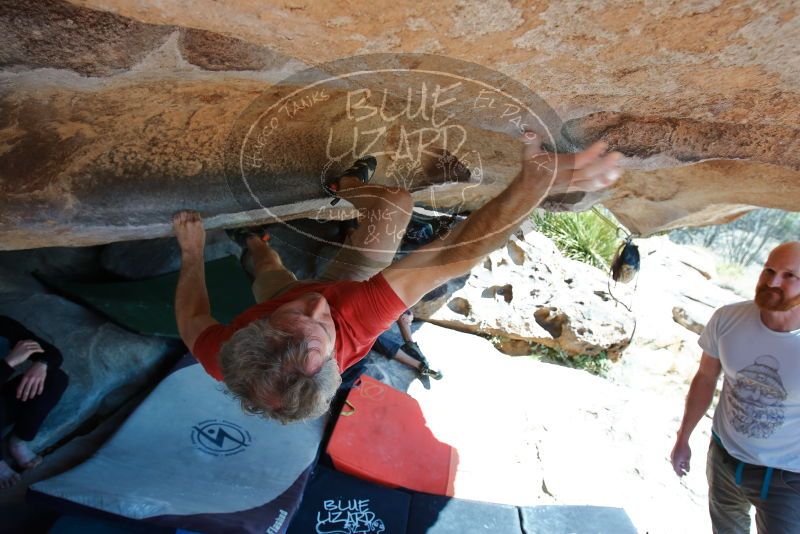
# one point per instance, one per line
(283, 357)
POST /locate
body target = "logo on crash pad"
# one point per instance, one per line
(220, 438)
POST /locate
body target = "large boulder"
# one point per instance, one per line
(527, 291)
(116, 113)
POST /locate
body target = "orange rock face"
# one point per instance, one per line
(115, 113)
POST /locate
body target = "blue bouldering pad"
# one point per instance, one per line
(560, 519)
(434, 514)
(338, 503)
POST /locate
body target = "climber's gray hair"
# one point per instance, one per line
(265, 369)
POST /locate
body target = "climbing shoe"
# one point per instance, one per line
(363, 169)
(425, 370)
(241, 235)
(412, 349)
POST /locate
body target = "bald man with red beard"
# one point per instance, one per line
(754, 454)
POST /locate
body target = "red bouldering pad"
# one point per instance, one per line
(381, 435)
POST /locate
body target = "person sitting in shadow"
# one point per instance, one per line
(28, 397)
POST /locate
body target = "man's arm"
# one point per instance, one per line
(701, 393)
(192, 307)
(489, 227)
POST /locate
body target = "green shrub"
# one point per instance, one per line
(580, 236)
(598, 364)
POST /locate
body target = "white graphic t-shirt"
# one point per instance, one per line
(758, 416)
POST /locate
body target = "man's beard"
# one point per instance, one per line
(773, 299)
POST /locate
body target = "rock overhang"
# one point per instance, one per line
(115, 114)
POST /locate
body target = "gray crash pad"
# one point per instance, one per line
(188, 457)
(562, 519)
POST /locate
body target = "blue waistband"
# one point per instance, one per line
(740, 469)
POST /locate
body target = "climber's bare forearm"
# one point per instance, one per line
(487, 229)
(192, 307)
(191, 295)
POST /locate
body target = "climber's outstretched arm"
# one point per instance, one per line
(489, 227)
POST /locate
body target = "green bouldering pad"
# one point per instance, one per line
(147, 306)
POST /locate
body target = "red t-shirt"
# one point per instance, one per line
(361, 311)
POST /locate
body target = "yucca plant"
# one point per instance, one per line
(581, 236)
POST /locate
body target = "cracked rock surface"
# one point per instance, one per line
(116, 113)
